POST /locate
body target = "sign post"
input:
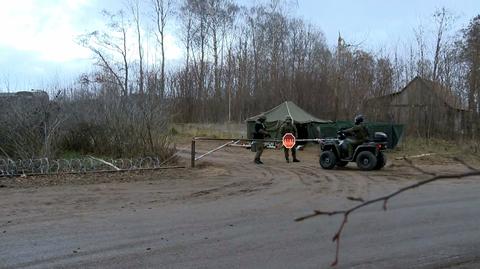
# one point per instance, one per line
(288, 140)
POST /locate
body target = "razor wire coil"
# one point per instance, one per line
(42, 166)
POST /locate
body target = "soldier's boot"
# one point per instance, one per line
(257, 161)
(288, 160)
(294, 155)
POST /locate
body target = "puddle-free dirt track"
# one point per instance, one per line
(230, 213)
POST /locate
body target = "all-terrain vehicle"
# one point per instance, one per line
(368, 156)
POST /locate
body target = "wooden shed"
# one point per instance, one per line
(426, 108)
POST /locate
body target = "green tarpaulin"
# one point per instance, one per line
(288, 108)
(305, 122)
(393, 131)
(310, 127)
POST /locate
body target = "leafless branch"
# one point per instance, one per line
(357, 199)
(464, 163)
(384, 199)
(412, 165)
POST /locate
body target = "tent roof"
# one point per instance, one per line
(279, 112)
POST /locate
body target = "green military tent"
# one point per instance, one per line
(307, 125)
(311, 127)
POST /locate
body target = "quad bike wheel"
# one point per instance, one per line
(366, 160)
(328, 160)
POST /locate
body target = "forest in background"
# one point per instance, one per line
(238, 61)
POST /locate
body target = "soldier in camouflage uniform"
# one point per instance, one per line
(288, 127)
(259, 134)
(358, 134)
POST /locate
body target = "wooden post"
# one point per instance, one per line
(193, 153)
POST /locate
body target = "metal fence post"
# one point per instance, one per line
(193, 153)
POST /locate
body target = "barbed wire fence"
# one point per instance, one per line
(89, 164)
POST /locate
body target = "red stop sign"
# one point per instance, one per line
(288, 140)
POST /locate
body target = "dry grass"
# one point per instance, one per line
(438, 150)
(184, 132)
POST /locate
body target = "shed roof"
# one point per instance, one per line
(442, 92)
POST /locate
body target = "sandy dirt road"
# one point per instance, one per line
(229, 213)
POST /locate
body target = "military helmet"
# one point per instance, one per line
(288, 117)
(358, 119)
(262, 117)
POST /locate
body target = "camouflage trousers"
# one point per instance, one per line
(259, 149)
(351, 146)
(294, 152)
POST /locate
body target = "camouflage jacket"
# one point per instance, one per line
(359, 132)
(288, 128)
(260, 131)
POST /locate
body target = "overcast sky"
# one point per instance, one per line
(38, 48)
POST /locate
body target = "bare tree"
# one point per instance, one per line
(135, 9)
(422, 63)
(162, 10)
(443, 20)
(221, 14)
(112, 41)
(186, 91)
(470, 45)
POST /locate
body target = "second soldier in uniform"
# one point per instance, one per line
(288, 127)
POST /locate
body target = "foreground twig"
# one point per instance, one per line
(385, 199)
